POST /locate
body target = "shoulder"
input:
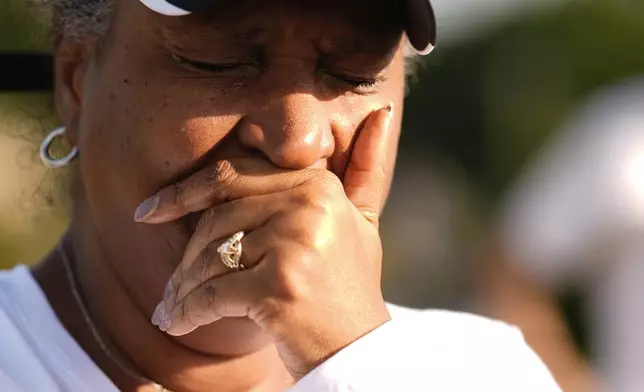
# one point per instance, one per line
(468, 351)
(37, 353)
(449, 321)
(472, 352)
(20, 368)
(456, 328)
(437, 350)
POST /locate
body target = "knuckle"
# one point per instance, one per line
(305, 176)
(268, 311)
(291, 274)
(323, 191)
(302, 236)
(221, 178)
(224, 173)
(311, 229)
(180, 194)
(303, 198)
(302, 228)
(314, 200)
(329, 182)
(288, 287)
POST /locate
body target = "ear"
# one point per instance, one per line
(71, 59)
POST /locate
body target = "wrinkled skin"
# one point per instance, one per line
(295, 101)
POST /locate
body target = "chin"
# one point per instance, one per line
(227, 337)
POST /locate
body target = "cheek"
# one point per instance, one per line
(137, 135)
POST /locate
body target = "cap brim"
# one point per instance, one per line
(420, 25)
(166, 7)
(420, 21)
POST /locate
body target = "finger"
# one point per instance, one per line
(224, 220)
(231, 295)
(216, 225)
(365, 179)
(209, 265)
(216, 184)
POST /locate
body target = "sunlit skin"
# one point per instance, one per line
(283, 123)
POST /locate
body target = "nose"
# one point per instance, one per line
(294, 132)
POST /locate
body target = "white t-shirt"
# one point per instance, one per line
(577, 217)
(433, 351)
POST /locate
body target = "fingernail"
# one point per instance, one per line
(165, 322)
(181, 330)
(390, 115)
(158, 313)
(146, 209)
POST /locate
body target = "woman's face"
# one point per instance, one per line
(163, 96)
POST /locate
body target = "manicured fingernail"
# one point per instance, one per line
(158, 314)
(181, 330)
(146, 209)
(165, 322)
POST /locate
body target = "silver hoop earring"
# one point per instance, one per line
(45, 153)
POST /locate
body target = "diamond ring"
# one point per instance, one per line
(231, 251)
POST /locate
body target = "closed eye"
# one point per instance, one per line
(358, 85)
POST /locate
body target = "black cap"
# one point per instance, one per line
(420, 22)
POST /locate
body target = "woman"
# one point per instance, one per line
(262, 137)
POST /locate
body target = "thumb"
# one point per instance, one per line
(365, 177)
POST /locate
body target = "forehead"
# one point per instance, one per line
(342, 24)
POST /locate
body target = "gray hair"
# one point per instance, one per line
(86, 20)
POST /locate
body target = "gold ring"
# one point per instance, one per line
(231, 251)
